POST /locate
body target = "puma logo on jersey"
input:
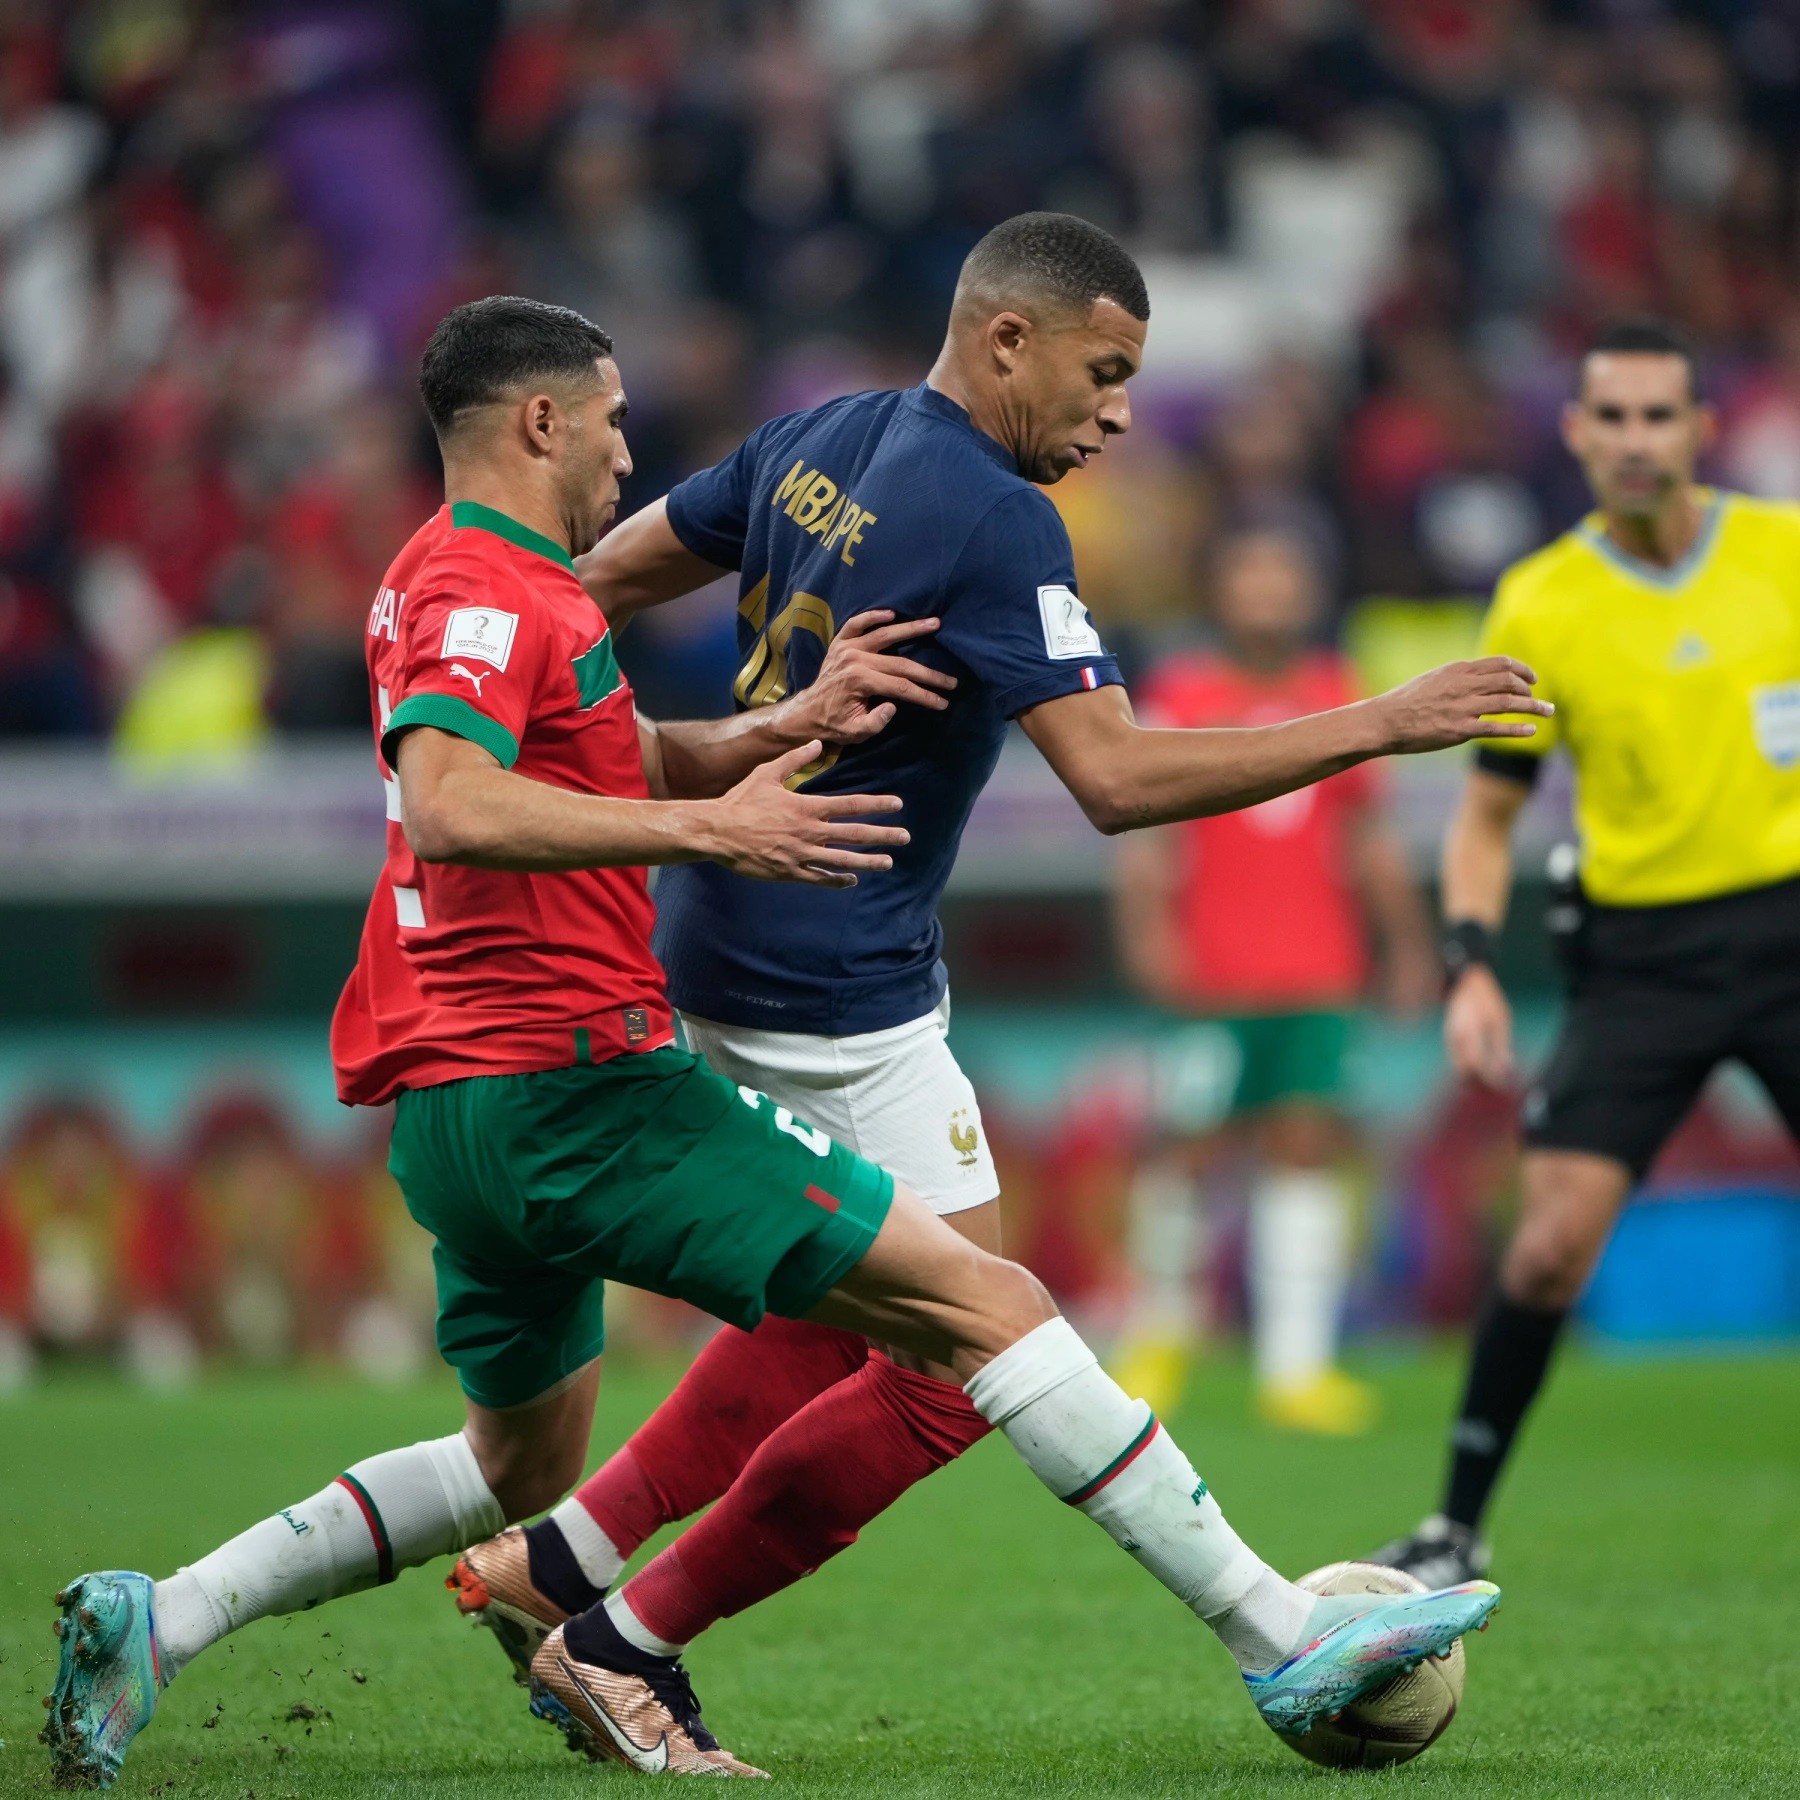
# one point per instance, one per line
(1689, 652)
(471, 677)
(812, 500)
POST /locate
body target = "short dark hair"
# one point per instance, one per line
(1642, 335)
(1060, 257)
(482, 351)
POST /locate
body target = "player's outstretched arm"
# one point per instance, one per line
(640, 563)
(861, 683)
(1477, 880)
(458, 805)
(1127, 777)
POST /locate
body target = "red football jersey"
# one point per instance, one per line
(1265, 906)
(482, 628)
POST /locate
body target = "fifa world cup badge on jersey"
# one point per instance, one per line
(1068, 631)
(1776, 712)
(482, 631)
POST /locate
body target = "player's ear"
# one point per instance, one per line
(540, 419)
(1008, 334)
(1708, 424)
(1571, 426)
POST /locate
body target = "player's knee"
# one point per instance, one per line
(1547, 1264)
(1020, 1302)
(999, 1305)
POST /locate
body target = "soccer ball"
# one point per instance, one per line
(1395, 1722)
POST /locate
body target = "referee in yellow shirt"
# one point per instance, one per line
(1666, 630)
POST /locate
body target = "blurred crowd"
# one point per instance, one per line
(243, 1244)
(1376, 233)
(241, 1240)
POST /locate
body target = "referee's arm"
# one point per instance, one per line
(1477, 874)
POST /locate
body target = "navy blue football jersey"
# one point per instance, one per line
(889, 500)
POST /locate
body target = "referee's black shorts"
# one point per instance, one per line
(1660, 995)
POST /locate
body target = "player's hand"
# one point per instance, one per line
(1478, 1028)
(862, 682)
(1458, 702)
(763, 830)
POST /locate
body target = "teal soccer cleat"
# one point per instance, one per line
(1366, 1645)
(106, 1677)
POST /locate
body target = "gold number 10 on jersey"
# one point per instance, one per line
(763, 680)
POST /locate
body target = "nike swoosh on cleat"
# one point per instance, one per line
(651, 1759)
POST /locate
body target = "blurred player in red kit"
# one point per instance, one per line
(1252, 929)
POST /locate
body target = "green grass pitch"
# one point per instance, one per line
(981, 1640)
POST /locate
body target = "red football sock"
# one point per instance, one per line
(741, 1387)
(803, 1497)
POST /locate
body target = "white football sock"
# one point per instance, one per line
(633, 1629)
(1167, 1238)
(1298, 1268)
(386, 1514)
(595, 1553)
(1108, 1456)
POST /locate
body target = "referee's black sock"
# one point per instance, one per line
(1513, 1344)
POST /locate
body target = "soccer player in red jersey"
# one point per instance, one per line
(1252, 928)
(551, 1137)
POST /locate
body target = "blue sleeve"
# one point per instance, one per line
(1010, 610)
(710, 511)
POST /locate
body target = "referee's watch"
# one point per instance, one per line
(1465, 943)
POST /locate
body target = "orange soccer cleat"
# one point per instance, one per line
(493, 1586)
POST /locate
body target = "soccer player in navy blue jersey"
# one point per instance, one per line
(923, 505)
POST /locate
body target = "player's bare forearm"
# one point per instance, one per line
(642, 563)
(1478, 864)
(1391, 896)
(1477, 879)
(1411, 974)
(458, 805)
(865, 677)
(1144, 934)
(699, 759)
(1127, 777)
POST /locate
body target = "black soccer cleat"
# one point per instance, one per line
(1441, 1553)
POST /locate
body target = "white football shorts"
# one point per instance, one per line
(896, 1097)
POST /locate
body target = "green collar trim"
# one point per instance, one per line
(471, 513)
(1678, 573)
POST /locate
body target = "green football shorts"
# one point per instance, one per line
(1212, 1070)
(647, 1169)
